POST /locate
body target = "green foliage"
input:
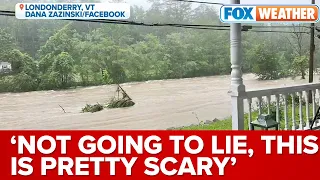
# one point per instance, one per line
(266, 64)
(300, 65)
(7, 43)
(92, 108)
(61, 41)
(106, 77)
(120, 103)
(63, 67)
(49, 54)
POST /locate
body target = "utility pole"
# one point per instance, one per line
(311, 58)
(237, 90)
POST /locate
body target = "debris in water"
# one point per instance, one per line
(92, 108)
(115, 102)
(62, 108)
(119, 102)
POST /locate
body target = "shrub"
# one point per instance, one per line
(120, 103)
(92, 108)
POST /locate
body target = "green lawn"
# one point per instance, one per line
(226, 124)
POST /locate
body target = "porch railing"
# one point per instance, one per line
(279, 100)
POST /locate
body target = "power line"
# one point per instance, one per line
(4, 11)
(11, 13)
(291, 26)
(151, 25)
(208, 27)
(187, 26)
(289, 32)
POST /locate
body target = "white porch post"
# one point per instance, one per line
(237, 87)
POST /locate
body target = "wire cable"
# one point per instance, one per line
(136, 23)
(173, 24)
(289, 32)
(188, 26)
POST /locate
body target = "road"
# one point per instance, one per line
(159, 104)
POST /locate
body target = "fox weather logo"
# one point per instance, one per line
(269, 13)
(238, 13)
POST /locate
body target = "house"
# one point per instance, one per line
(5, 67)
(282, 99)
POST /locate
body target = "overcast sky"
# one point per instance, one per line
(145, 4)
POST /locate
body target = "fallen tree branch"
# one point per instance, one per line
(62, 108)
(125, 95)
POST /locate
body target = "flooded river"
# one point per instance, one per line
(159, 104)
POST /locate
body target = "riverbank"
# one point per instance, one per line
(159, 104)
(226, 123)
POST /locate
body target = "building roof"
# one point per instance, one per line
(5, 63)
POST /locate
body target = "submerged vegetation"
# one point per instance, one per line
(92, 108)
(115, 102)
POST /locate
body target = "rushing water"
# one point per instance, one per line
(159, 104)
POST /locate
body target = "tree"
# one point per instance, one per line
(145, 60)
(300, 64)
(176, 53)
(266, 65)
(56, 63)
(177, 11)
(23, 82)
(63, 67)
(298, 43)
(62, 41)
(21, 62)
(106, 77)
(204, 14)
(7, 43)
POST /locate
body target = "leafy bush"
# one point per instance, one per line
(92, 108)
(296, 100)
(114, 103)
(300, 64)
(264, 63)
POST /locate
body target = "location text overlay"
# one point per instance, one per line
(112, 11)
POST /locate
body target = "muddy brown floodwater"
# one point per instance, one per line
(159, 104)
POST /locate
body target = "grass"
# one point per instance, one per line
(226, 124)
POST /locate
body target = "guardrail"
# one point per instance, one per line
(294, 97)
